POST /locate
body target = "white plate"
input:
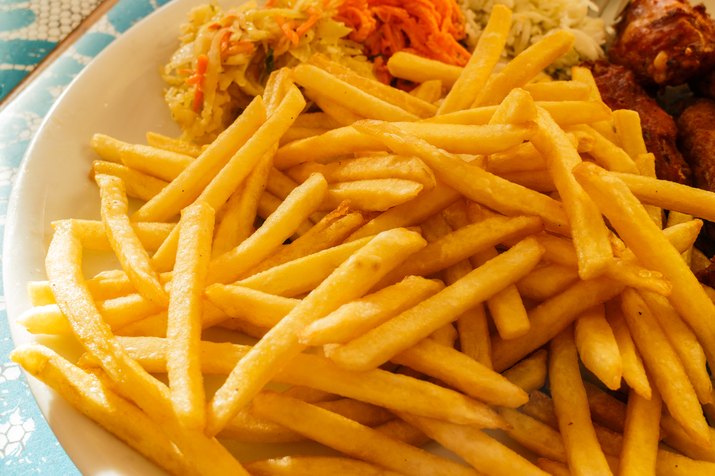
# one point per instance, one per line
(118, 94)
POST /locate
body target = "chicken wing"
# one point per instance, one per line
(666, 42)
(620, 90)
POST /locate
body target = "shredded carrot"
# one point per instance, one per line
(315, 15)
(225, 42)
(240, 47)
(202, 63)
(287, 28)
(429, 28)
(270, 3)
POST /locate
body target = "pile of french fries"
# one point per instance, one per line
(422, 263)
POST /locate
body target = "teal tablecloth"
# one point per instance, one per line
(27, 445)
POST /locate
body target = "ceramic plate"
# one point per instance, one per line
(118, 94)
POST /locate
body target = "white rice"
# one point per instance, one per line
(533, 19)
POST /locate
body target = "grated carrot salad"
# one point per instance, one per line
(429, 28)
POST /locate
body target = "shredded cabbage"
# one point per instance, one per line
(533, 19)
(226, 57)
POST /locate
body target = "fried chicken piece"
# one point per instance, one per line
(620, 90)
(666, 42)
(696, 127)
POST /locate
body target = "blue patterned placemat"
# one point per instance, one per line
(30, 30)
(27, 445)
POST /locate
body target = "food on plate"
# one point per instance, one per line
(225, 57)
(431, 29)
(665, 42)
(535, 19)
(620, 90)
(388, 268)
(697, 141)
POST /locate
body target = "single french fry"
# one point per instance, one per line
(430, 90)
(673, 464)
(640, 435)
(297, 133)
(525, 67)
(589, 232)
(347, 95)
(317, 120)
(171, 144)
(138, 185)
(239, 212)
(462, 244)
(117, 312)
(485, 56)
(558, 90)
(607, 154)
(665, 367)
(90, 396)
(330, 231)
(684, 342)
(94, 237)
(481, 451)
(189, 184)
(564, 113)
(315, 466)
(461, 372)
(351, 438)
(398, 334)
(633, 371)
(671, 195)
(555, 468)
(628, 129)
(385, 92)
(517, 108)
(412, 213)
(302, 275)
(647, 242)
(159, 163)
(339, 113)
(371, 194)
(534, 435)
(521, 158)
(269, 203)
(505, 307)
(597, 346)
(63, 264)
(368, 167)
(357, 317)
(606, 410)
(126, 245)
(184, 314)
(274, 231)
(547, 281)
(473, 182)
(541, 408)
(530, 373)
(354, 277)
(256, 307)
(247, 427)
(571, 405)
(676, 218)
(419, 70)
(454, 138)
(551, 317)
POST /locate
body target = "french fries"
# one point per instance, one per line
(407, 266)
